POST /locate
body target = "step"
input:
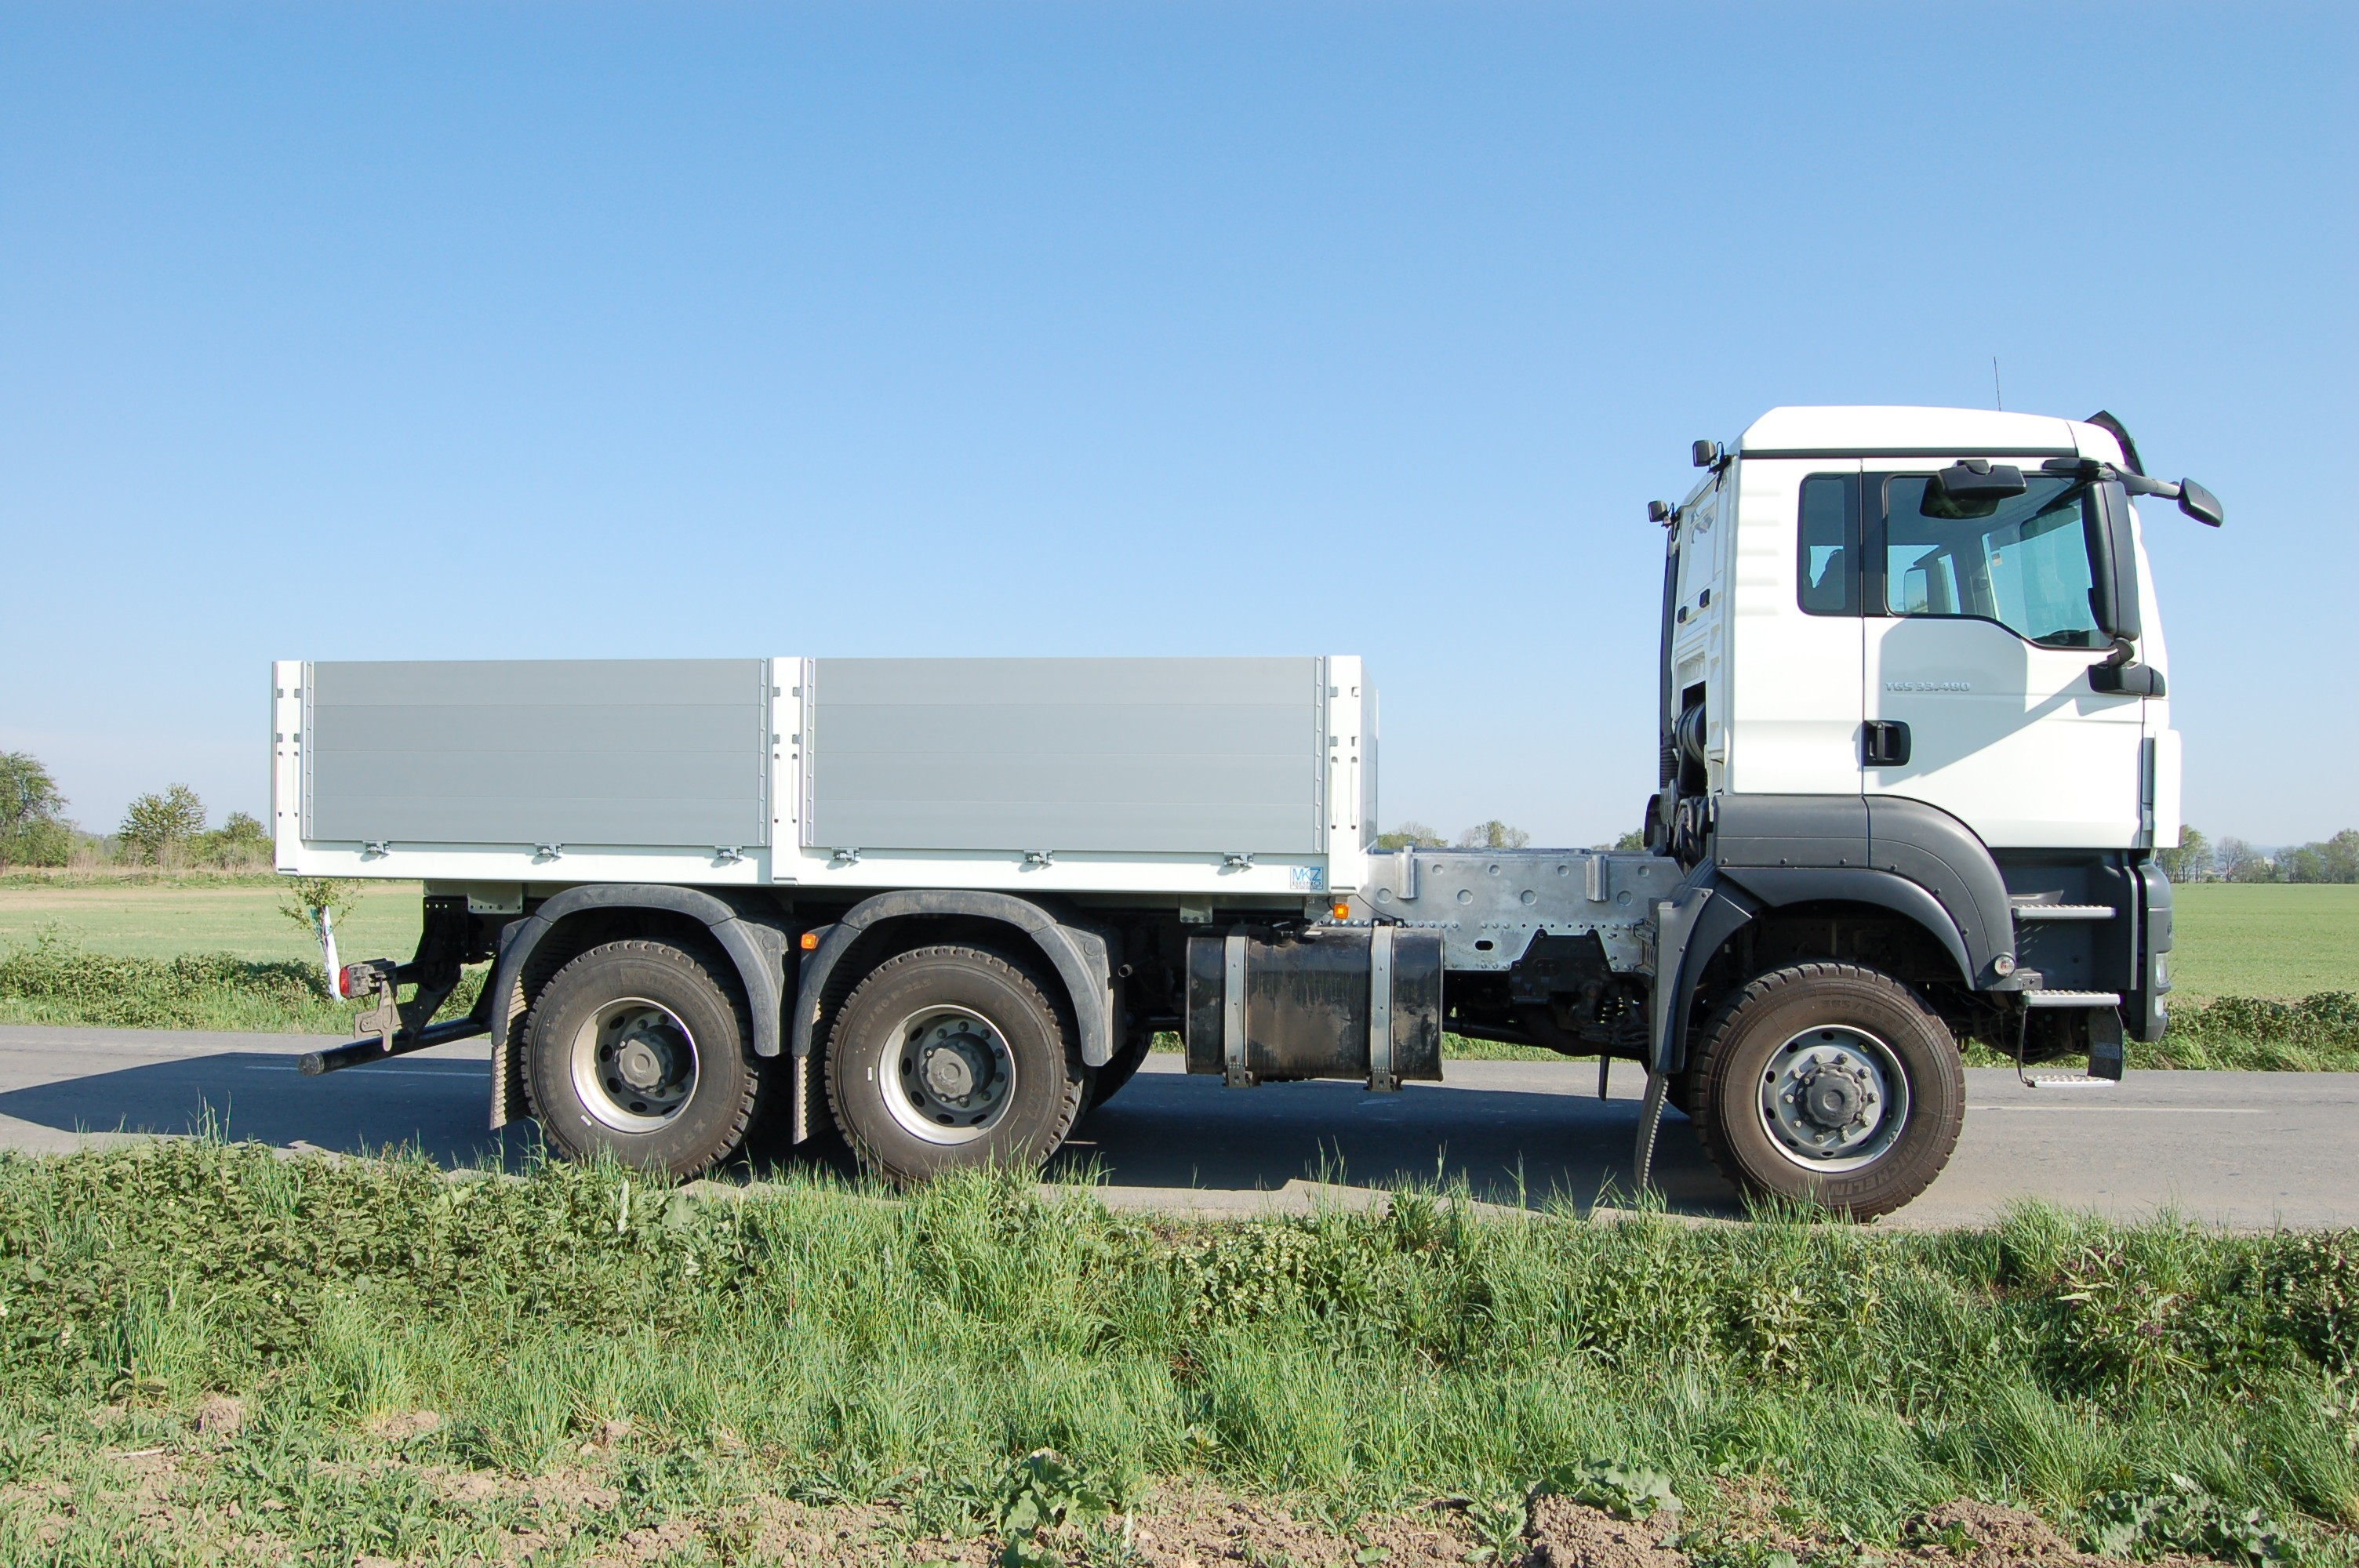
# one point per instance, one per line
(2065, 912)
(2034, 1078)
(2072, 998)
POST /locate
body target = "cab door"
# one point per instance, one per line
(1980, 633)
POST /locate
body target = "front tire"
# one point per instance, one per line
(639, 1051)
(1832, 1085)
(950, 1058)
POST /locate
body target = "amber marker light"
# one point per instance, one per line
(810, 942)
(1341, 912)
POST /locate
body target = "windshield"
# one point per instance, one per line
(2029, 563)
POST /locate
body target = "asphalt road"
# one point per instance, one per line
(2252, 1150)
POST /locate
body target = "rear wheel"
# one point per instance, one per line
(951, 1057)
(637, 1050)
(1831, 1084)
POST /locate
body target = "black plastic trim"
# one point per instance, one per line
(1758, 839)
(1781, 886)
(1726, 911)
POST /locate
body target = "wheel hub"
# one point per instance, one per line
(1833, 1098)
(634, 1065)
(643, 1064)
(956, 1075)
(955, 1068)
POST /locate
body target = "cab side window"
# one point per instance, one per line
(1827, 553)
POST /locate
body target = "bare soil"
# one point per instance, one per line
(570, 1513)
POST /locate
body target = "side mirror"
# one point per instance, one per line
(2200, 503)
(1704, 454)
(1659, 512)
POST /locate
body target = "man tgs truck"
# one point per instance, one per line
(1916, 756)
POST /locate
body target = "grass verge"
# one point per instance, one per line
(405, 1357)
(55, 981)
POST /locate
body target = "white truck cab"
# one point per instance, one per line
(1846, 626)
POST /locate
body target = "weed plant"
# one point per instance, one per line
(2158, 1387)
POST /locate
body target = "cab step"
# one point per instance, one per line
(2106, 1057)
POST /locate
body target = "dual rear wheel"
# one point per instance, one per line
(943, 1057)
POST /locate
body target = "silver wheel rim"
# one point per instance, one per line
(948, 1075)
(635, 1064)
(1833, 1098)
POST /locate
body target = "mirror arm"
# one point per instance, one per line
(2124, 653)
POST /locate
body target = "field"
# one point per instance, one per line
(2265, 940)
(209, 1350)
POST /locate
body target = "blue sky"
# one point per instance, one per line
(420, 330)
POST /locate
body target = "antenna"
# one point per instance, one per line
(1996, 396)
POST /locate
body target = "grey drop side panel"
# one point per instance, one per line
(1214, 756)
(668, 752)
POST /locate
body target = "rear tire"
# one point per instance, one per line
(639, 1051)
(1832, 1085)
(952, 1058)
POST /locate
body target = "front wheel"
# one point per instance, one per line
(1830, 1083)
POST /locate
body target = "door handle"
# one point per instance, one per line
(1883, 743)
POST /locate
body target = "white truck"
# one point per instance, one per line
(1916, 756)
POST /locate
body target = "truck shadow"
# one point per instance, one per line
(1169, 1140)
(435, 1108)
(1168, 1132)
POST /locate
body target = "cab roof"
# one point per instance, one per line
(1899, 431)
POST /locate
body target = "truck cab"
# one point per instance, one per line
(1914, 715)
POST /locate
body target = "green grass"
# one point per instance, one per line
(688, 1353)
(2263, 940)
(164, 917)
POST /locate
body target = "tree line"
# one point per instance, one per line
(2199, 859)
(164, 829)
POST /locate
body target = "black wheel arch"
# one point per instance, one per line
(1083, 956)
(1752, 919)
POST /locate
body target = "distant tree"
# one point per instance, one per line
(240, 841)
(2192, 861)
(2302, 863)
(1492, 834)
(1632, 840)
(2240, 862)
(2342, 856)
(1411, 836)
(160, 827)
(33, 831)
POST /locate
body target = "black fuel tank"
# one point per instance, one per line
(1327, 1001)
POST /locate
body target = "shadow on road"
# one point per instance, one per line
(435, 1108)
(1166, 1130)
